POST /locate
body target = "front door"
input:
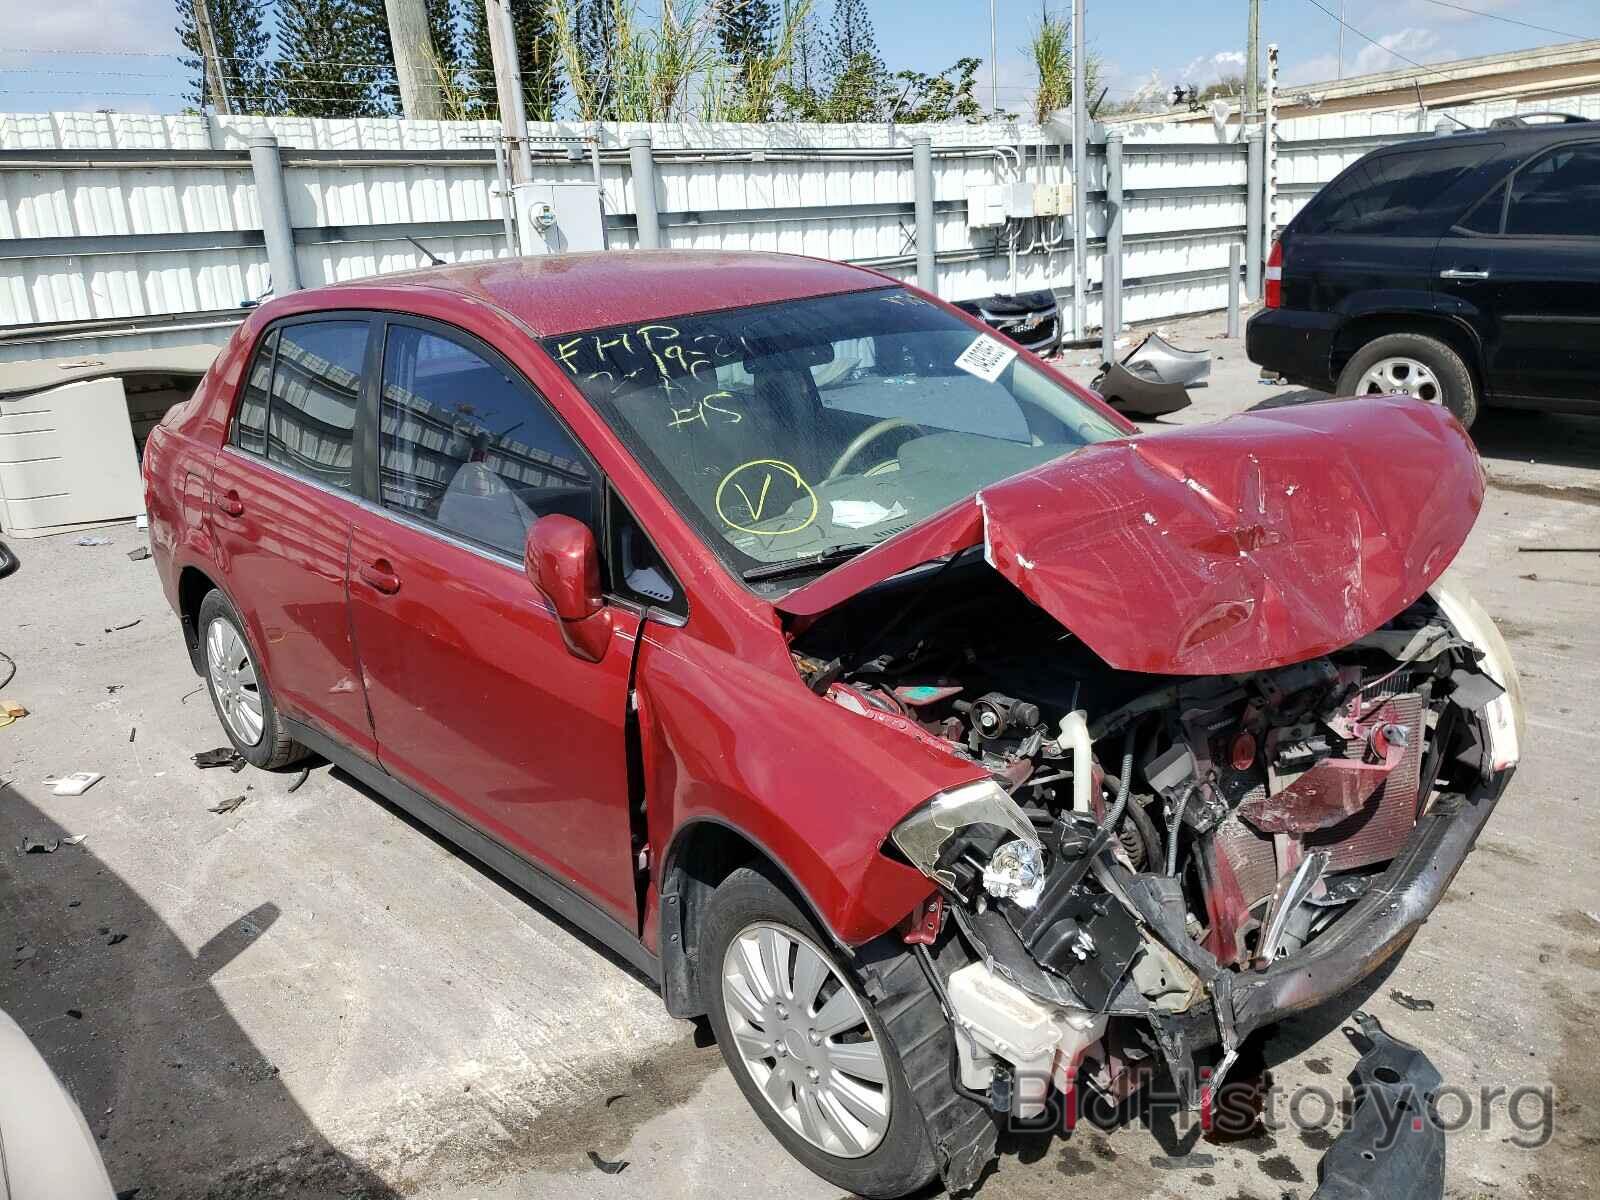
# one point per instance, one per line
(281, 506)
(1529, 263)
(475, 699)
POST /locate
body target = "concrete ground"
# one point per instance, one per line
(316, 998)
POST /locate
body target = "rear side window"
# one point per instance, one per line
(1558, 194)
(1403, 192)
(250, 422)
(316, 385)
(470, 447)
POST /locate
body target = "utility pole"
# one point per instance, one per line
(1252, 61)
(1080, 152)
(508, 88)
(1342, 8)
(414, 63)
(208, 51)
(994, 65)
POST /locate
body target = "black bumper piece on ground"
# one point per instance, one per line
(1393, 1148)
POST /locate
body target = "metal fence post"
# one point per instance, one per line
(927, 234)
(272, 198)
(643, 166)
(1255, 196)
(1233, 289)
(1111, 256)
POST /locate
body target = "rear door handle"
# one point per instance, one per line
(230, 503)
(379, 575)
(1458, 273)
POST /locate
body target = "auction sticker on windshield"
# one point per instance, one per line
(985, 358)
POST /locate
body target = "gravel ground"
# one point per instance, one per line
(316, 998)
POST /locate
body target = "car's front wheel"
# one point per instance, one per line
(239, 690)
(1412, 364)
(812, 1054)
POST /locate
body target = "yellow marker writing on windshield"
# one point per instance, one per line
(758, 477)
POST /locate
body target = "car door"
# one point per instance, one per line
(1366, 242)
(476, 701)
(1528, 259)
(282, 505)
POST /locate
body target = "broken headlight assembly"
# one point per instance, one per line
(1503, 716)
(975, 837)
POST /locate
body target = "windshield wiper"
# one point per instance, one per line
(802, 566)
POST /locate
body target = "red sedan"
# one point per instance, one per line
(863, 681)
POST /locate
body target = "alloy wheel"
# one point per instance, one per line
(1401, 376)
(803, 1035)
(233, 681)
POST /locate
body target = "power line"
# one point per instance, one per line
(1477, 12)
(1373, 41)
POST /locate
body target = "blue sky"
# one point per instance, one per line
(116, 53)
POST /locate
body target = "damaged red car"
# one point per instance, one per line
(881, 694)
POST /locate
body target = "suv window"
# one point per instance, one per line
(1558, 195)
(316, 385)
(1397, 193)
(470, 447)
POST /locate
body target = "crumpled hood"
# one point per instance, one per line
(1263, 539)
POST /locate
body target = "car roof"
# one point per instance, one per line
(1518, 139)
(565, 293)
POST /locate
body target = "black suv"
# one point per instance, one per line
(1461, 269)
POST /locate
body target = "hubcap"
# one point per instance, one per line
(233, 681)
(801, 1033)
(1402, 376)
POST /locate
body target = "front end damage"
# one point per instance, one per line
(1160, 863)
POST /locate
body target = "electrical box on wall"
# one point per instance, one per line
(1052, 200)
(1019, 201)
(558, 218)
(986, 205)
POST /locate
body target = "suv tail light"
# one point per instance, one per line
(1272, 293)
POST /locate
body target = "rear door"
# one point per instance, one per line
(1366, 242)
(282, 506)
(1528, 259)
(475, 698)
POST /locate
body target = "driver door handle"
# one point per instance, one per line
(379, 575)
(1462, 273)
(230, 503)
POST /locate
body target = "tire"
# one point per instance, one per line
(743, 909)
(1389, 364)
(240, 695)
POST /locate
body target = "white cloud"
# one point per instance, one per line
(88, 25)
(1420, 45)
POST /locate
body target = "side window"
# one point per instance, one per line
(1558, 195)
(468, 447)
(316, 384)
(639, 570)
(1485, 215)
(1396, 193)
(250, 421)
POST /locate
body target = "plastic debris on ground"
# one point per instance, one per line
(129, 625)
(31, 845)
(228, 805)
(139, 553)
(75, 784)
(299, 780)
(90, 539)
(606, 1165)
(222, 756)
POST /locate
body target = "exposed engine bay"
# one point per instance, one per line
(1144, 843)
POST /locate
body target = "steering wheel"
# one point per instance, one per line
(864, 439)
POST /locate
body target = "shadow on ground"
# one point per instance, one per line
(135, 1027)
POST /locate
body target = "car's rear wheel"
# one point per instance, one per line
(1412, 364)
(812, 1054)
(239, 690)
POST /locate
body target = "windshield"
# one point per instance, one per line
(809, 429)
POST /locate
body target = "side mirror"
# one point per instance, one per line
(563, 562)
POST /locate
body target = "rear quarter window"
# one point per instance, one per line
(1397, 192)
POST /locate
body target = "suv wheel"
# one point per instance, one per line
(1411, 364)
(239, 690)
(810, 1052)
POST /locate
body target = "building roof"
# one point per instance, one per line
(564, 293)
